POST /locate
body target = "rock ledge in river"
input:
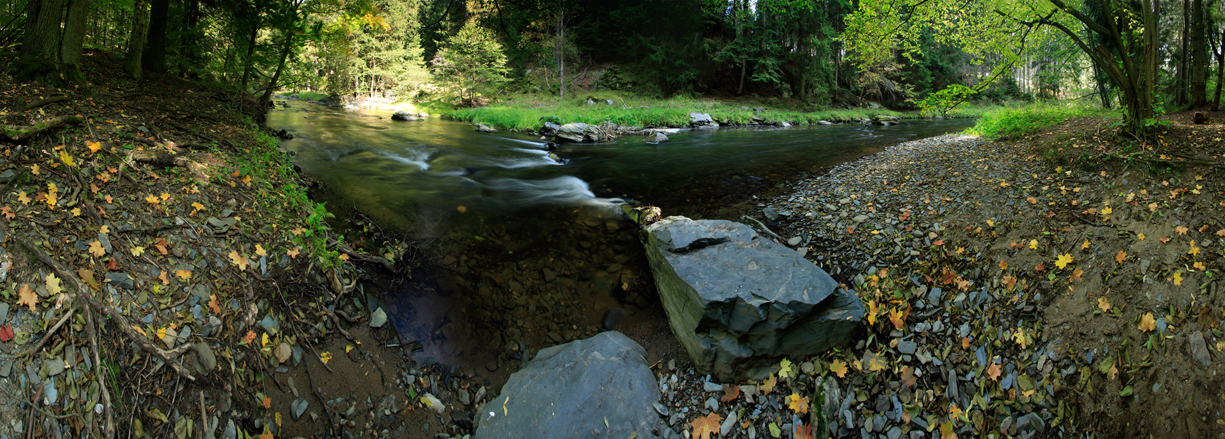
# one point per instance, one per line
(738, 302)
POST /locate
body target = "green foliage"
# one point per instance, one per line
(470, 61)
(946, 100)
(1008, 123)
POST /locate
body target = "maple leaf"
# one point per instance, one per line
(838, 367)
(1194, 250)
(162, 277)
(137, 251)
(1199, 266)
(88, 277)
(797, 403)
(767, 385)
(1103, 304)
(183, 274)
(1020, 338)
(27, 297)
(67, 159)
(259, 250)
(1003, 265)
(212, 304)
(344, 256)
(947, 276)
(1140, 235)
(1147, 323)
(297, 231)
(895, 317)
(1033, 244)
(730, 392)
(946, 430)
(908, 377)
(96, 249)
(1032, 200)
(1122, 256)
(1107, 210)
(1063, 260)
(803, 431)
(6, 333)
(1178, 279)
(93, 146)
(1113, 372)
(238, 260)
(994, 371)
(875, 361)
(1180, 230)
(704, 426)
(292, 253)
(197, 206)
(1220, 232)
(1152, 207)
(1040, 267)
(1076, 274)
(1009, 281)
(153, 199)
(250, 337)
(267, 402)
(34, 169)
(784, 368)
(266, 435)
(325, 357)
(165, 196)
(871, 312)
(1085, 246)
(7, 212)
(54, 284)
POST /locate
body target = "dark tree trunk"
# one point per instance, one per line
(74, 36)
(1184, 57)
(1220, 71)
(249, 60)
(41, 43)
(272, 83)
(154, 59)
(1199, 55)
(136, 41)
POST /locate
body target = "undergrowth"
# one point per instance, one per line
(1012, 122)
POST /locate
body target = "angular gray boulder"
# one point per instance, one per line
(739, 303)
(595, 387)
(576, 132)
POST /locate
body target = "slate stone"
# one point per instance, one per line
(1199, 349)
(120, 280)
(378, 318)
(595, 387)
(205, 360)
(574, 132)
(658, 137)
(7, 176)
(270, 324)
(4, 312)
(298, 407)
(404, 116)
(739, 303)
(907, 347)
(105, 241)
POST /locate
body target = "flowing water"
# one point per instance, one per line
(531, 250)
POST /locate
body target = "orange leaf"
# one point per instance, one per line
(895, 317)
(267, 402)
(250, 337)
(1147, 323)
(27, 297)
(1122, 256)
(704, 426)
(994, 371)
(212, 304)
(1181, 230)
(797, 403)
(767, 385)
(838, 367)
(1003, 265)
(730, 392)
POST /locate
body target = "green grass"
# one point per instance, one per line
(529, 112)
(1011, 122)
(309, 96)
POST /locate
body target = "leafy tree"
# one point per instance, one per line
(470, 60)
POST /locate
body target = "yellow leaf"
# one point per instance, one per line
(196, 205)
(238, 260)
(895, 317)
(259, 250)
(183, 274)
(76, 211)
(165, 196)
(838, 368)
(1121, 256)
(1199, 266)
(1103, 304)
(1178, 278)
(93, 146)
(1181, 230)
(705, 425)
(1033, 244)
(34, 169)
(784, 368)
(1003, 265)
(767, 385)
(104, 229)
(325, 357)
(1085, 246)
(53, 284)
(1140, 235)
(1107, 210)
(1019, 337)
(1063, 261)
(96, 249)
(153, 199)
(871, 312)
(67, 159)
(797, 403)
(1148, 323)
(23, 198)
(1194, 250)
(137, 251)
(263, 341)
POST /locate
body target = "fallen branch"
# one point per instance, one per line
(19, 134)
(365, 257)
(52, 331)
(160, 159)
(109, 430)
(197, 133)
(763, 227)
(32, 106)
(152, 229)
(120, 320)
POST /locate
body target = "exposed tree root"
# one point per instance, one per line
(19, 133)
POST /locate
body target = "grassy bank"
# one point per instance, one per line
(1012, 122)
(524, 112)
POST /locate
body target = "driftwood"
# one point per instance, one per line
(20, 133)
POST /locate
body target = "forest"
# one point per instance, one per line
(1146, 57)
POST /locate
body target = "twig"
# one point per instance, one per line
(311, 377)
(109, 430)
(152, 229)
(336, 320)
(30, 422)
(365, 257)
(763, 226)
(51, 332)
(325, 365)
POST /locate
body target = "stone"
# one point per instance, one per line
(549, 129)
(298, 407)
(1199, 349)
(120, 280)
(727, 425)
(205, 360)
(860, 218)
(600, 386)
(480, 127)
(794, 241)
(378, 318)
(270, 324)
(55, 366)
(404, 116)
(283, 353)
(739, 303)
(698, 120)
(711, 387)
(572, 132)
(433, 402)
(613, 318)
(657, 137)
(7, 176)
(907, 347)
(4, 312)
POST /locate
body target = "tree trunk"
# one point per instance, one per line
(561, 54)
(1199, 55)
(40, 45)
(249, 61)
(285, 49)
(136, 41)
(1220, 71)
(74, 36)
(1184, 58)
(155, 51)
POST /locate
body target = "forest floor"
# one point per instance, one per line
(165, 275)
(1061, 283)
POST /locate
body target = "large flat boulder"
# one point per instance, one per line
(595, 387)
(739, 303)
(576, 132)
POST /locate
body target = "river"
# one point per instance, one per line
(529, 251)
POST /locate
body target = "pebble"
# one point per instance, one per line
(378, 318)
(712, 387)
(907, 347)
(297, 407)
(1199, 349)
(55, 366)
(728, 424)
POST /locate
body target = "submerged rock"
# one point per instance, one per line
(595, 387)
(404, 116)
(738, 303)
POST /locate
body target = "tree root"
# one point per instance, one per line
(158, 159)
(119, 319)
(52, 331)
(33, 105)
(365, 257)
(19, 134)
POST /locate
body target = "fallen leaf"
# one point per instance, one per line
(1113, 372)
(1033, 244)
(325, 357)
(1032, 200)
(153, 199)
(1147, 323)
(838, 367)
(67, 159)
(1178, 278)
(784, 368)
(213, 305)
(1107, 210)
(137, 251)
(704, 426)
(908, 377)
(895, 317)
(88, 277)
(1140, 235)
(293, 253)
(344, 256)
(54, 284)
(27, 297)
(6, 333)
(267, 402)
(96, 249)
(1181, 230)
(1003, 265)
(183, 274)
(250, 337)
(1063, 261)
(1103, 304)
(238, 260)
(259, 250)
(461, 209)
(1019, 338)
(1085, 246)
(797, 403)
(1194, 250)
(730, 392)
(767, 385)
(1122, 256)
(1076, 274)
(994, 371)
(93, 146)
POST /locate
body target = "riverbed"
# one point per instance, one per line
(531, 249)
